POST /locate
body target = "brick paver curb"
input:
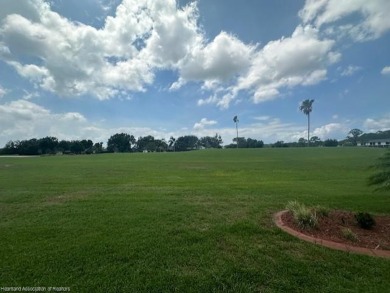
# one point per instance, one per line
(327, 243)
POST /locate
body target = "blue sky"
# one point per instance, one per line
(89, 69)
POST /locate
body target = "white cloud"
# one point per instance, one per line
(73, 116)
(28, 96)
(22, 119)
(171, 26)
(143, 36)
(297, 60)
(210, 100)
(29, 9)
(379, 124)
(350, 70)
(385, 70)
(220, 60)
(203, 123)
(271, 130)
(331, 130)
(301, 59)
(3, 91)
(372, 23)
(262, 118)
(73, 59)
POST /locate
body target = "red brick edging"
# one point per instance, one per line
(330, 244)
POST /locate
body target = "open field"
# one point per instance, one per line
(187, 222)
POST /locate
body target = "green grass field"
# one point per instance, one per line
(188, 222)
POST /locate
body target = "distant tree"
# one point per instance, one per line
(76, 147)
(331, 143)
(10, 148)
(64, 146)
(186, 143)
(48, 145)
(306, 107)
(315, 140)
(235, 119)
(28, 147)
(87, 146)
(211, 141)
(218, 140)
(161, 145)
(240, 142)
(302, 142)
(246, 143)
(354, 134)
(280, 144)
(120, 142)
(254, 143)
(98, 148)
(381, 178)
(171, 143)
(146, 143)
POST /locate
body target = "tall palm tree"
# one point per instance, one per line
(306, 107)
(171, 142)
(235, 119)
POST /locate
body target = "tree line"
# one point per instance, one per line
(302, 142)
(119, 142)
(123, 142)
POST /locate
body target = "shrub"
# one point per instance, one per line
(303, 215)
(322, 211)
(348, 234)
(293, 206)
(365, 220)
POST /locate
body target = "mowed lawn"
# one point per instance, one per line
(188, 222)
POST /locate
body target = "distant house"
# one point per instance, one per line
(382, 143)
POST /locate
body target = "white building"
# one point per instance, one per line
(385, 142)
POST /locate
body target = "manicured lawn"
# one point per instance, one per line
(187, 222)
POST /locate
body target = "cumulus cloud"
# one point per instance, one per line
(374, 125)
(203, 123)
(30, 95)
(220, 60)
(330, 130)
(3, 91)
(370, 22)
(29, 9)
(385, 70)
(271, 129)
(262, 118)
(73, 59)
(297, 60)
(301, 59)
(350, 70)
(23, 119)
(142, 37)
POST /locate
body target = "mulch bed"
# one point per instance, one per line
(331, 228)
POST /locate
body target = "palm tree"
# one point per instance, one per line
(172, 142)
(306, 107)
(235, 119)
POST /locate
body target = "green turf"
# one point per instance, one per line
(187, 222)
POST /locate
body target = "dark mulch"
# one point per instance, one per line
(331, 228)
